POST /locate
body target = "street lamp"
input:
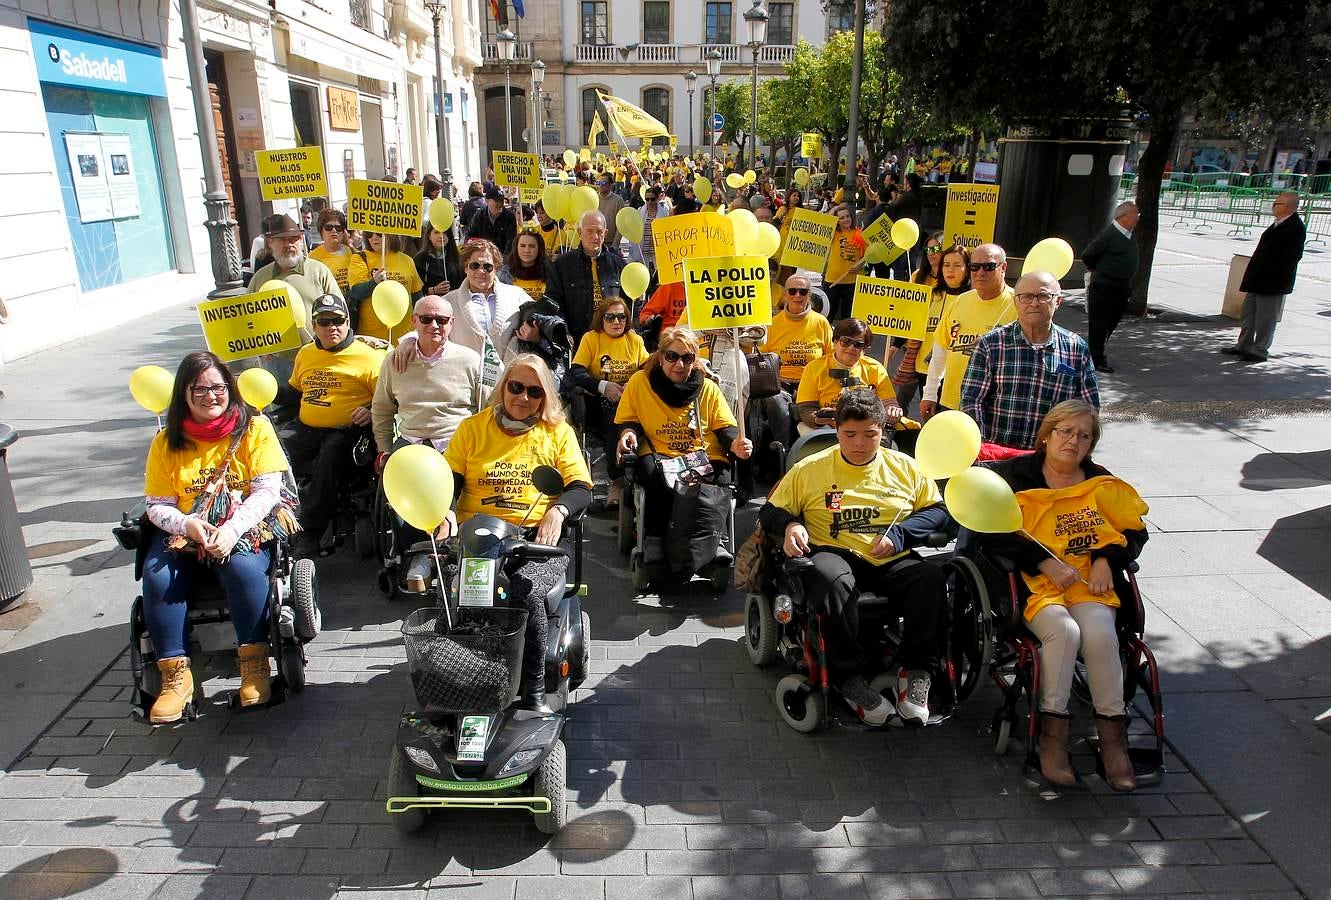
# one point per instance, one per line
(507, 44)
(537, 79)
(436, 9)
(713, 58)
(691, 79)
(755, 17)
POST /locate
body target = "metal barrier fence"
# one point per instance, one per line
(1239, 202)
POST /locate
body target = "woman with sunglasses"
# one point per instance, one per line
(208, 423)
(438, 264)
(386, 261)
(347, 265)
(948, 272)
(671, 410)
(843, 262)
(799, 335)
(845, 367)
(492, 456)
(607, 357)
(527, 265)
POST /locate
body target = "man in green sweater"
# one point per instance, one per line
(440, 388)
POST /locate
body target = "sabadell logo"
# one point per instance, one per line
(83, 66)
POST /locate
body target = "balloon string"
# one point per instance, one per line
(159, 421)
(443, 585)
(1032, 539)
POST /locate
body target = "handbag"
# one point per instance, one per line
(697, 525)
(751, 562)
(764, 375)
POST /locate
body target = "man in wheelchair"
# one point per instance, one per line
(856, 510)
(336, 376)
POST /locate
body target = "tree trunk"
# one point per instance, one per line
(974, 154)
(1150, 173)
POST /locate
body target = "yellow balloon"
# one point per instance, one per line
(802, 177)
(258, 387)
(735, 180)
(745, 226)
(634, 279)
(750, 176)
(1052, 255)
(702, 189)
(874, 253)
(554, 198)
(442, 213)
(768, 241)
(570, 158)
(419, 485)
(948, 444)
(390, 301)
(982, 501)
(629, 222)
(584, 200)
(151, 387)
(905, 232)
(294, 300)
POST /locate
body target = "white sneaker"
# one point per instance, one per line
(418, 573)
(867, 703)
(913, 696)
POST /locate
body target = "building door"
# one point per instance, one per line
(226, 143)
(372, 135)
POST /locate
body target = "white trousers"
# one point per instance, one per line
(1066, 631)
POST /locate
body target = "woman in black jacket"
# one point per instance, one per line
(438, 263)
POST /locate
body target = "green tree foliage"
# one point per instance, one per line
(734, 103)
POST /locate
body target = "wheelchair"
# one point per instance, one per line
(1004, 645)
(357, 515)
(294, 619)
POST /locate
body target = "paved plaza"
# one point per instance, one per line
(683, 780)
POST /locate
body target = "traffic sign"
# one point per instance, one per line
(717, 121)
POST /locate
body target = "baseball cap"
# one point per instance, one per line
(329, 303)
(494, 194)
(280, 225)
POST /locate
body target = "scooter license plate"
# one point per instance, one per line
(476, 582)
(471, 738)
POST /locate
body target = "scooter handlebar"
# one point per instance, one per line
(533, 550)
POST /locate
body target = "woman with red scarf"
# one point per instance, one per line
(214, 477)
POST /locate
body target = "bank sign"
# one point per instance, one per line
(82, 59)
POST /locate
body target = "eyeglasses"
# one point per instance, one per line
(330, 323)
(1069, 434)
(434, 320)
(337, 228)
(615, 317)
(534, 391)
(672, 357)
(934, 248)
(850, 343)
(486, 267)
(199, 392)
(1044, 298)
(797, 292)
(985, 266)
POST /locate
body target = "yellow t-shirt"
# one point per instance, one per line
(402, 269)
(849, 506)
(936, 301)
(496, 467)
(551, 238)
(611, 359)
(816, 385)
(332, 385)
(670, 429)
(798, 341)
(347, 267)
(535, 287)
(965, 319)
(183, 473)
(847, 249)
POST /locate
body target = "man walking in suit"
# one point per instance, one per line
(1269, 278)
(1111, 260)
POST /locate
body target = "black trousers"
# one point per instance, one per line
(915, 589)
(1105, 305)
(600, 414)
(324, 455)
(840, 298)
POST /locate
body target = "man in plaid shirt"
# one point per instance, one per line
(1019, 371)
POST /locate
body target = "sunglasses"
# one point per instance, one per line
(616, 317)
(798, 292)
(202, 391)
(486, 267)
(337, 228)
(330, 323)
(985, 267)
(672, 357)
(434, 320)
(534, 391)
(934, 248)
(849, 343)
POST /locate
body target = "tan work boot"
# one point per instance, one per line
(255, 674)
(1054, 763)
(177, 690)
(1113, 731)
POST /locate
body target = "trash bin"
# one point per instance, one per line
(1232, 307)
(15, 573)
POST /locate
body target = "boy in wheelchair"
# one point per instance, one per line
(856, 510)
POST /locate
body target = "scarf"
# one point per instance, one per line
(795, 317)
(515, 426)
(211, 432)
(675, 395)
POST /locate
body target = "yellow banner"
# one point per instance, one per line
(898, 308)
(727, 292)
(880, 232)
(517, 169)
(614, 146)
(298, 172)
(811, 145)
(585, 154)
(972, 210)
(809, 240)
(529, 195)
(249, 325)
(690, 236)
(385, 207)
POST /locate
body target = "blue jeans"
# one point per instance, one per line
(168, 577)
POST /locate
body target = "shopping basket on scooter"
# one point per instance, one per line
(473, 666)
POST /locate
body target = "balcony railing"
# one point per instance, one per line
(522, 53)
(729, 52)
(595, 53)
(776, 54)
(683, 54)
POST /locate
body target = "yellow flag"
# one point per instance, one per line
(630, 121)
(597, 129)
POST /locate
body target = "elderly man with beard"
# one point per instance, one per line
(285, 240)
(584, 276)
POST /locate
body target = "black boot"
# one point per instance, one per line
(533, 687)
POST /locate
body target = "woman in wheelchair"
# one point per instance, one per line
(856, 510)
(845, 367)
(214, 475)
(685, 422)
(1089, 526)
(607, 357)
(492, 456)
(798, 335)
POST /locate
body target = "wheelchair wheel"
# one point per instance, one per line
(627, 533)
(802, 706)
(760, 629)
(367, 543)
(971, 640)
(719, 581)
(305, 600)
(1002, 731)
(638, 571)
(292, 662)
(401, 783)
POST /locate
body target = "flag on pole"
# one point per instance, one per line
(629, 120)
(597, 129)
(519, 9)
(496, 11)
